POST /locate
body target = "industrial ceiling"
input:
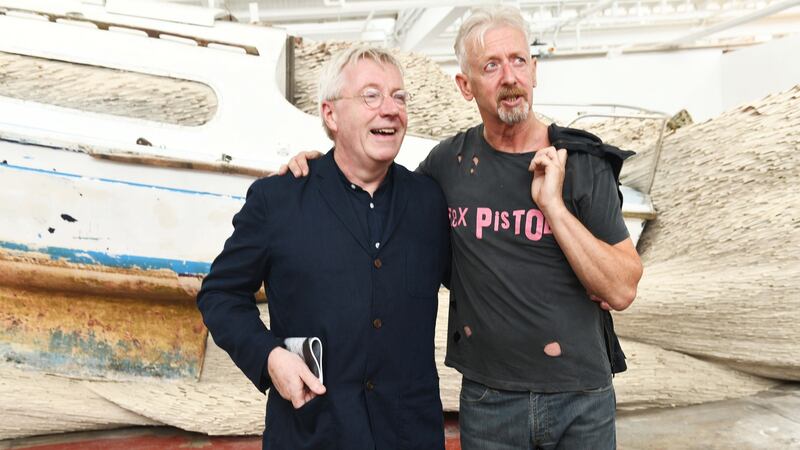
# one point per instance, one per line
(558, 28)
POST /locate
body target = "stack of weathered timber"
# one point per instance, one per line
(722, 273)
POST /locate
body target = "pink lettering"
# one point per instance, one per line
(463, 219)
(457, 218)
(529, 226)
(518, 213)
(504, 218)
(483, 220)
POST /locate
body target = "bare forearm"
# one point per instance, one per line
(611, 272)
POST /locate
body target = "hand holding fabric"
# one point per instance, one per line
(548, 168)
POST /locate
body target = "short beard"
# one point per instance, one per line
(514, 115)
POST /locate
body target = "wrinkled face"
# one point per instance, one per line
(501, 75)
(369, 135)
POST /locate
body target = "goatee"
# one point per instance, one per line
(517, 114)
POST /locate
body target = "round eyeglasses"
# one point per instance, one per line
(373, 98)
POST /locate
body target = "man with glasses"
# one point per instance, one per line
(353, 254)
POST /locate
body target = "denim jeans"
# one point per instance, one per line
(492, 419)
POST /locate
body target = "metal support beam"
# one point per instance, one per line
(588, 11)
(577, 19)
(430, 24)
(755, 15)
(352, 9)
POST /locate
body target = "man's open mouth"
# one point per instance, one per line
(383, 131)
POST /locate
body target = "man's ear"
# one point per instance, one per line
(463, 85)
(328, 113)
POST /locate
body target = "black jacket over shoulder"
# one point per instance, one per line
(575, 140)
(374, 309)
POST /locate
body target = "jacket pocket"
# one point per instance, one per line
(315, 417)
(311, 427)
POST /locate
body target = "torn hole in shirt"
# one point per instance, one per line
(553, 349)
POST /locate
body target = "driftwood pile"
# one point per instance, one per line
(106, 91)
(722, 272)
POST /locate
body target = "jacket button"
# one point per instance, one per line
(369, 385)
(377, 323)
(377, 263)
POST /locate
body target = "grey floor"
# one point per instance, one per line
(768, 420)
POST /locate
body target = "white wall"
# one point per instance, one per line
(666, 82)
(754, 72)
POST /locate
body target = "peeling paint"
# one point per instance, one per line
(98, 336)
(181, 267)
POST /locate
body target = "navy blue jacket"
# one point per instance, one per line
(374, 310)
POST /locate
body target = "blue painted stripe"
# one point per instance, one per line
(109, 180)
(181, 267)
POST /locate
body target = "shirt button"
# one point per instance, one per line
(369, 385)
(352, 186)
(377, 323)
(371, 205)
(377, 263)
(377, 245)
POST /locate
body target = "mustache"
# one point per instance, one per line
(510, 92)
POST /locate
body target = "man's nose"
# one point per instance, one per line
(509, 77)
(389, 107)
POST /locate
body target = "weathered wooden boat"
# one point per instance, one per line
(121, 170)
(127, 144)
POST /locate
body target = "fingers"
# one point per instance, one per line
(298, 166)
(541, 161)
(306, 387)
(312, 382)
(308, 396)
(602, 303)
(562, 156)
(298, 399)
(281, 171)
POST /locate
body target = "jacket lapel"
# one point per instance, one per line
(399, 201)
(333, 191)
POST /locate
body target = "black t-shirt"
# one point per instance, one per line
(512, 289)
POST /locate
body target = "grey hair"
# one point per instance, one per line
(474, 28)
(331, 80)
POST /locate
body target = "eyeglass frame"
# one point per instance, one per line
(363, 96)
